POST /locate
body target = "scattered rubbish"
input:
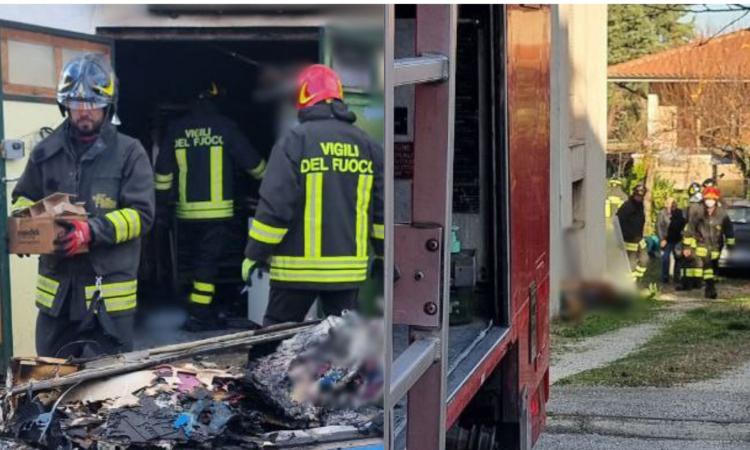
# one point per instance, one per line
(323, 383)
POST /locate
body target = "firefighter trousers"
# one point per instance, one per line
(638, 259)
(62, 337)
(692, 270)
(206, 243)
(291, 305)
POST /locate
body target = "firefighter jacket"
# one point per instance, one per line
(114, 179)
(709, 232)
(321, 203)
(615, 198)
(199, 152)
(632, 219)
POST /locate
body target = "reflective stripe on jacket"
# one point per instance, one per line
(115, 180)
(196, 163)
(321, 203)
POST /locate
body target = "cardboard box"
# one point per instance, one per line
(33, 230)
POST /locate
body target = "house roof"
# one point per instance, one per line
(726, 57)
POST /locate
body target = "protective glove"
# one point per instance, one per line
(77, 235)
(248, 267)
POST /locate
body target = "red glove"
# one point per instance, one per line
(77, 235)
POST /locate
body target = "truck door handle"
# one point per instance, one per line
(10, 180)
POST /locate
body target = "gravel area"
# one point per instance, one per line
(597, 351)
(737, 380)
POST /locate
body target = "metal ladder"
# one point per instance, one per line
(421, 249)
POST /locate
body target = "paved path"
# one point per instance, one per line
(713, 414)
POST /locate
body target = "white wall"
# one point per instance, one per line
(578, 138)
(79, 18)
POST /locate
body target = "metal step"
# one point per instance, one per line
(422, 69)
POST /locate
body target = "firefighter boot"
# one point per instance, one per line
(710, 291)
(685, 283)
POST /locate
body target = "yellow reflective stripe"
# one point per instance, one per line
(120, 303)
(323, 262)
(44, 298)
(47, 284)
(121, 227)
(163, 177)
(259, 171)
(204, 287)
(319, 276)
(364, 187)
(113, 289)
(21, 203)
(378, 231)
(730, 241)
(181, 156)
(694, 273)
(206, 214)
(162, 186)
(200, 298)
(631, 246)
(313, 213)
(133, 218)
(701, 251)
(690, 242)
(715, 254)
(708, 274)
(217, 173)
(127, 223)
(642, 243)
(266, 233)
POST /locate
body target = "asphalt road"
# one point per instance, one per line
(682, 418)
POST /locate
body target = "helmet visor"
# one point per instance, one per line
(84, 104)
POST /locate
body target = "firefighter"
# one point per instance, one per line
(195, 171)
(691, 264)
(632, 220)
(87, 300)
(714, 231)
(615, 198)
(321, 203)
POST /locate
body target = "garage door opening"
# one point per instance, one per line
(160, 78)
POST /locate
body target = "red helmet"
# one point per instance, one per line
(317, 83)
(711, 192)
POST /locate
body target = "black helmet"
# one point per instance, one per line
(87, 82)
(213, 91)
(709, 182)
(694, 188)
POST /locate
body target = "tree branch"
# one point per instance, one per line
(625, 87)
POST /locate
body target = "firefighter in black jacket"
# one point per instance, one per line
(713, 230)
(86, 301)
(691, 263)
(632, 219)
(197, 157)
(321, 203)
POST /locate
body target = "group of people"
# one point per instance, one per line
(693, 238)
(319, 215)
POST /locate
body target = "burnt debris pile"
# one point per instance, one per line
(322, 384)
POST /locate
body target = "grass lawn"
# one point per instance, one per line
(603, 321)
(699, 345)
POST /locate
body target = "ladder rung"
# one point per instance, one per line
(411, 365)
(422, 69)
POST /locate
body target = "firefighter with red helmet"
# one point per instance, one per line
(714, 230)
(87, 301)
(320, 208)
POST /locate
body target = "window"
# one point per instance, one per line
(31, 61)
